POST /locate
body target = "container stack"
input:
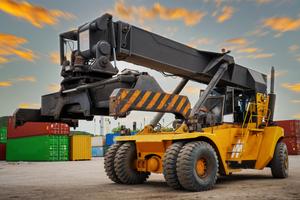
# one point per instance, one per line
(98, 146)
(80, 147)
(291, 135)
(3, 137)
(110, 138)
(37, 141)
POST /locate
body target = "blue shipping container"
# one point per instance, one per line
(133, 132)
(110, 138)
(97, 152)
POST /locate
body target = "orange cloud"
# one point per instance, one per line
(226, 14)
(260, 32)
(297, 116)
(263, 1)
(11, 45)
(242, 45)
(294, 48)
(19, 79)
(261, 55)
(26, 54)
(279, 73)
(36, 15)
(53, 87)
(200, 41)
(292, 86)
(248, 50)
(235, 44)
(29, 105)
(141, 13)
(237, 41)
(54, 57)
(26, 78)
(282, 24)
(5, 83)
(3, 60)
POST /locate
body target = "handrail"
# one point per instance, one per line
(245, 130)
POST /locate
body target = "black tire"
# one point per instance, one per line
(280, 161)
(187, 164)
(169, 165)
(124, 165)
(109, 159)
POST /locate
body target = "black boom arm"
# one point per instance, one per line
(90, 77)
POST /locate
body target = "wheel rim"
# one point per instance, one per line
(201, 167)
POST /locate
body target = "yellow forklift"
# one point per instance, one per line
(202, 146)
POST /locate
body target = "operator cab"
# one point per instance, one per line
(221, 102)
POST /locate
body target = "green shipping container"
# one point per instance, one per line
(38, 148)
(3, 134)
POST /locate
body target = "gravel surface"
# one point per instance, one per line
(87, 180)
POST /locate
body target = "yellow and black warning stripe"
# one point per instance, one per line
(125, 100)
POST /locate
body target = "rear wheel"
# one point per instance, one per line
(280, 162)
(197, 166)
(169, 165)
(125, 165)
(109, 162)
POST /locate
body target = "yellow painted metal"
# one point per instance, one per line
(259, 146)
(153, 163)
(150, 154)
(267, 148)
(262, 102)
(235, 144)
(80, 147)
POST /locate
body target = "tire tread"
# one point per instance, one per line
(169, 165)
(109, 162)
(124, 173)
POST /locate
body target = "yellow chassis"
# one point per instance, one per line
(231, 142)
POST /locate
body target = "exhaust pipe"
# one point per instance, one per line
(272, 96)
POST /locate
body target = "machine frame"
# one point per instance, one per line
(201, 147)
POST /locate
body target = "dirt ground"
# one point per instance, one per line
(87, 180)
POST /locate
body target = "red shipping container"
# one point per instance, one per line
(293, 145)
(291, 127)
(2, 151)
(36, 128)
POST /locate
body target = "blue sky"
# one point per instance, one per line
(260, 34)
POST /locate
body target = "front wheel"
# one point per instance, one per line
(280, 162)
(124, 164)
(197, 166)
(109, 160)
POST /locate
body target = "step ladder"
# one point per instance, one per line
(239, 145)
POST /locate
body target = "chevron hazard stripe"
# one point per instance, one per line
(124, 100)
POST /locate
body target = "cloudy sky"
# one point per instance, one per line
(260, 34)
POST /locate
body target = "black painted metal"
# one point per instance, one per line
(272, 96)
(90, 78)
(154, 51)
(214, 81)
(177, 90)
